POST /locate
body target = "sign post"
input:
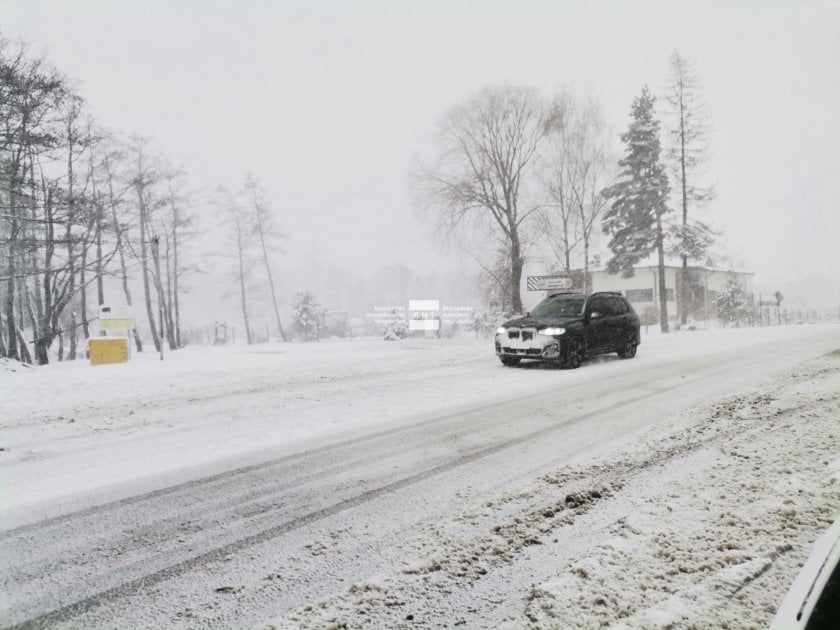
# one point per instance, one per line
(424, 315)
(104, 349)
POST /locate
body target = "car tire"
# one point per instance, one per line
(510, 361)
(574, 355)
(628, 351)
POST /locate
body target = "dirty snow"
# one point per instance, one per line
(191, 413)
(700, 519)
(716, 545)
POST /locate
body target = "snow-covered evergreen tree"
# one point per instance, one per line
(305, 315)
(732, 302)
(634, 220)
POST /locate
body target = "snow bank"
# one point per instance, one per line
(721, 549)
(736, 491)
(10, 366)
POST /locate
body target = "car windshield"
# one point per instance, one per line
(552, 307)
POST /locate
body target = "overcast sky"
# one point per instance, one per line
(328, 102)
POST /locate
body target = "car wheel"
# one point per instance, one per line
(574, 355)
(510, 361)
(628, 351)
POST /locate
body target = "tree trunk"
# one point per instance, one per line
(163, 308)
(11, 328)
(660, 251)
(270, 281)
(515, 270)
(243, 292)
(83, 294)
(42, 350)
(25, 357)
(47, 328)
(175, 273)
(144, 264)
(26, 299)
(120, 248)
(586, 283)
(684, 289)
(71, 353)
(170, 319)
(684, 292)
(100, 285)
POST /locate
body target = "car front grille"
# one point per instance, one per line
(527, 334)
(525, 352)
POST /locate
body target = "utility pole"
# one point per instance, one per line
(156, 255)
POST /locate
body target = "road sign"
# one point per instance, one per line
(548, 283)
(116, 318)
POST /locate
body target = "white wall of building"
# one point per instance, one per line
(645, 279)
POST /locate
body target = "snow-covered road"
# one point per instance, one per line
(416, 483)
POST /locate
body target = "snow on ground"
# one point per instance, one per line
(719, 549)
(708, 510)
(738, 489)
(203, 405)
(10, 366)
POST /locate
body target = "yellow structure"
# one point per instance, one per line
(116, 324)
(104, 350)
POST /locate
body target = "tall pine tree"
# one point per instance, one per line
(634, 220)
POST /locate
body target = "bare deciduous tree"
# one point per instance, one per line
(559, 221)
(178, 227)
(486, 155)
(576, 170)
(237, 217)
(143, 177)
(265, 228)
(687, 155)
(592, 159)
(112, 158)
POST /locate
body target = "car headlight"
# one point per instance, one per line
(501, 330)
(552, 332)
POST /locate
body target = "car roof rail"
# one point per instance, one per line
(566, 293)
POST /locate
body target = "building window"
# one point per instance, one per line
(640, 295)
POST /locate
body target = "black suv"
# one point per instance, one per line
(565, 328)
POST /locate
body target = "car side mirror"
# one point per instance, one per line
(527, 313)
(595, 315)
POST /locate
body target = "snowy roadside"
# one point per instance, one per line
(729, 496)
(720, 549)
(72, 435)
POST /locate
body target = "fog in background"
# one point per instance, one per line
(329, 104)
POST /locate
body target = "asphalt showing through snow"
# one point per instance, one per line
(62, 569)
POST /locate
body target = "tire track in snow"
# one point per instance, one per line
(130, 586)
(126, 588)
(640, 375)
